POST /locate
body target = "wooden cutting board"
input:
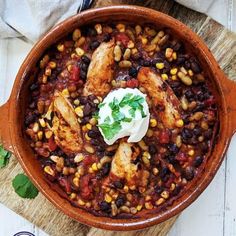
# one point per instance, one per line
(40, 211)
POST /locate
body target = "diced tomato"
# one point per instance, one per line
(132, 83)
(181, 157)
(123, 38)
(85, 187)
(75, 73)
(88, 160)
(210, 102)
(51, 144)
(164, 136)
(65, 183)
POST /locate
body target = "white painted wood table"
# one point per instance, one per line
(212, 214)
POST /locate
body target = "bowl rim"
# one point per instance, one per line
(81, 215)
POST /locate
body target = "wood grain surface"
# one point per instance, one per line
(40, 211)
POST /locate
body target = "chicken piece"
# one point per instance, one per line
(121, 165)
(161, 95)
(65, 126)
(100, 71)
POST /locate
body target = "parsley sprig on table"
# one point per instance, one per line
(4, 157)
(110, 129)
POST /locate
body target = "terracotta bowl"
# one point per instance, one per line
(12, 114)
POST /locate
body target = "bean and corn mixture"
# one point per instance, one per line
(168, 159)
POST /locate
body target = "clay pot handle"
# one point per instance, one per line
(230, 95)
(5, 137)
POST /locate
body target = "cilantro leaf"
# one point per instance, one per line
(132, 112)
(110, 130)
(96, 116)
(4, 157)
(101, 105)
(24, 187)
(125, 100)
(107, 119)
(127, 119)
(117, 115)
(114, 104)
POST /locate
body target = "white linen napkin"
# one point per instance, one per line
(32, 18)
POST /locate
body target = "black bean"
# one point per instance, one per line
(83, 75)
(197, 130)
(171, 159)
(195, 67)
(30, 118)
(91, 32)
(200, 96)
(152, 149)
(199, 107)
(34, 86)
(118, 184)
(208, 134)
(92, 134)
(146, 63)
(177, 46)
(158, 189)
(186, 133)
(120, 201)
(166, 67)
(204, 147)
(187, 65)
(85, 120)
(100, 148)
(198, 161)
(110, 153)
(84, 67)
(133, 71)
(164, 171)
(173, 148)
(32, 105)
(94, 45)
(87, 109)
(189, 173)
(91, 97)
(83, 100)
(106, 37)
(85, 59)
(176, 191)
(180, 60)
(104, 206)
(189, 94)
(106, 168)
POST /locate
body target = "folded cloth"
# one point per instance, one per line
(32, 18)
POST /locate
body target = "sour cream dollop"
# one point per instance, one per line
(123, 112)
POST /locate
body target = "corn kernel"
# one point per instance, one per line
(48, 134)
(164, 76)
(148, 205)
(148, 198)
(40, 135)
(143, 145)
(134, 51)
(87, 137)
(160, 65)
(130, 44)
(81, 202)
(98, 28)
(88, 204)
(99, 165)
(108, 198)
(168, 52)
(79, 157)
(79, 51)
(190, 72)
(49, 170)
(74, 56)
(138, 29)
(44, 61)
(45, 79)
(36, 127)
(153, 123)
(48, 71)
(191, 152)
(173, 71)
(174, 55)
(126, 188)
(76, 34)
(93, 121)
(76, 102)
(79, 111)
(76, 181)
(65, 92)
(139, 207)
(80, 42)
(147, 154)
(107, 29)
(149, 133)
(52, 64)
(144, 40)
(77, 174)
(88, 126)
(120, 27)
(94, 167)
(174, 77)
(42, 122)
(73, 196)
(89, 148)
(165, 194)
(160, 201)
(172, 187)
(60, 47)
(84, 128)
(179, 123)
(155, 171)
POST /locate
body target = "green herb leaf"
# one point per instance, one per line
(95, 115)
(125, 100)
(132, 112)
(107, 119)
(24, 187)
(110, 130)
(127, 119)
(117, 115)
(101, 105)
(4, 157)
(114, 104)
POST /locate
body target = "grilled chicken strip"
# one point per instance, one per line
(161, 95)
(100, 71)
(65, 127)
(123, 168)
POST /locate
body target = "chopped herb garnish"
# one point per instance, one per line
(110, 130)
(24, 187)
(95, 115)
(101, 105)
(4, 157)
